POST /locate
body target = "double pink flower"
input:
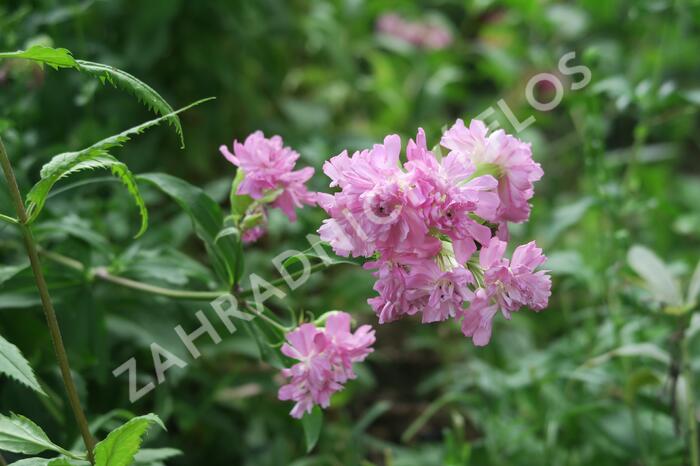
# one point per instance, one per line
(268, 168)
(423, 221)
(325, 356)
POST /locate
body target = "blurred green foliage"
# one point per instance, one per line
(591, 380)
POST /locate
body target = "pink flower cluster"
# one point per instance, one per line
(424, 221)
(270, 177)
(325, 356)
(418, 33)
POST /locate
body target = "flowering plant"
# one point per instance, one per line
(434, 231)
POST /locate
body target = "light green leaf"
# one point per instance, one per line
(642, 350)
(120, 446)
(55, 58)
(142, 91)
(151, 455)
(312, 427)
(657, 276)
(694, 287)
(13, 364)
(95, 156)
(9, 271)
(50, 462)
(20, 435)
(208, 221)
(228, 231)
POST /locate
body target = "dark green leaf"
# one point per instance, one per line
(208, 222)
(312, 427)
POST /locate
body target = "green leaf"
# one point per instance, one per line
(20, 435)
(95, 156)
(50, 462)
(13, 364)
(151, 455)
(640, 350)
(142, 91)
(208, 221)
(694, 287)
(312, 427)
(657, 276)
(55, 58)
(9, 271)
(120, 446)
(62, 58)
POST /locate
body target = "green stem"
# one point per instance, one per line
(282, 281)
(690, 403)
(267, 319)
(103, 274)
(7, 219)
(49, 311)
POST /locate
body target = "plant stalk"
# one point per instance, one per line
(103, 274)
(690, 403)
(49, 311)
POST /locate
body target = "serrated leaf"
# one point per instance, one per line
(62, 58)
(54, 57)
(13, 364)
(122, 444)
(208, 221)
(312, 427)
(658, 278)
(20, 435)
(142, 91)
(95, 156)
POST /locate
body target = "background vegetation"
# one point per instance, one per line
(592, 380)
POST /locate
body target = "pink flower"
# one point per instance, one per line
(418, 33)
(449, 194)
(438, 294)
(392, 302)
(508, 285)
(251, 235)
(478, 319)
(268, 167)
(505, 154)
(325, 360)
(420, 222)
(374, 210)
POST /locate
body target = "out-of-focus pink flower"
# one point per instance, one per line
(421, 34)
(508, 285)
(251, 235)
(505, 154)
(325, 356)
(268, 166)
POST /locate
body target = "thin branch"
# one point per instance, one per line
(103, 274)
(49, 311)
